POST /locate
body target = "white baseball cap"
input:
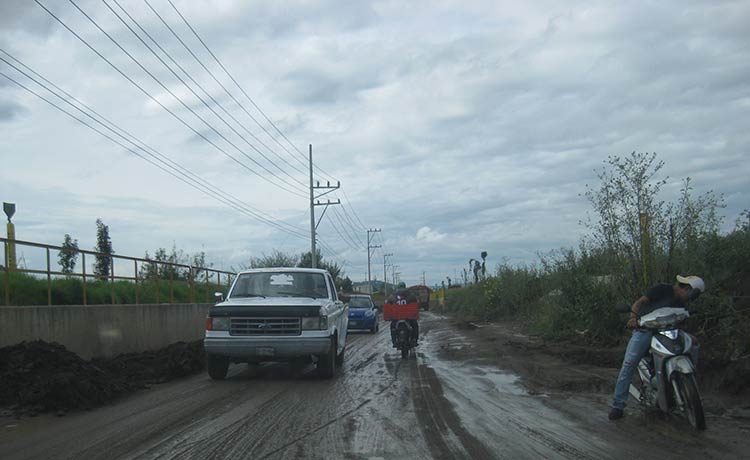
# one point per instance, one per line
(693, 281)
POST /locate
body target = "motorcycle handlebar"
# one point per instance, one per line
(622, 307)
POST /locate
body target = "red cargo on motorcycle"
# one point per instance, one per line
(402, 310)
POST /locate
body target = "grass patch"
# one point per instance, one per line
(25, 289)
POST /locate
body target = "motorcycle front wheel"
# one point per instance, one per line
(691, 398)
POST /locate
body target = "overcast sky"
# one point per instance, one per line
(455, 126)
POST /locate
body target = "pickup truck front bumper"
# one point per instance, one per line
(266, 348)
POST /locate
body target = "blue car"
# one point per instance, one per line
(363, 314)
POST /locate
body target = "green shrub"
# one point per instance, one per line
(26, 289)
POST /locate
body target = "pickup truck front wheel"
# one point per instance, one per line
(217, 367)
(327, 362)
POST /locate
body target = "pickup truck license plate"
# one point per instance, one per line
(265, 351)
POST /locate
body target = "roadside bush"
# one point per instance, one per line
(468, 303)
(27, 289)
(513, 291)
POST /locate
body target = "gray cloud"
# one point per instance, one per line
(455, 127)
(24, 16)
(9, 110)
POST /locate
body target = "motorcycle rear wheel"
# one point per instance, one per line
(691, 398)
(404, 353)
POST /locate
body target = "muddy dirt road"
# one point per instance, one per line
(435, 405)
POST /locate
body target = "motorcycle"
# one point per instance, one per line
(667, 372)
(401, 309)
(404, 337)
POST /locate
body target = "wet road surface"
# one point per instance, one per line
(378, 407)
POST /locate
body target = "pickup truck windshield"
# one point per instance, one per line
(280, 284)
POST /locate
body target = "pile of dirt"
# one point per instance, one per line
(177, 360)
(38, 376)
(45, 377)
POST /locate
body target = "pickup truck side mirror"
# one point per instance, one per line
(219, 296)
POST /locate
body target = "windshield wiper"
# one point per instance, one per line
(248, 295)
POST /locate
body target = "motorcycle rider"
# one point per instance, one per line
(684, 290)
(400, 297)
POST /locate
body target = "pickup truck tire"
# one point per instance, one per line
(327, 362)
(340, 358)
(217, 367)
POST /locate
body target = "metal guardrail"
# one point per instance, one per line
(192, 271)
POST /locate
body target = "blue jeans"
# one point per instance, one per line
(638, 346)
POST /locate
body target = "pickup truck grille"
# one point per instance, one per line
(265, 326)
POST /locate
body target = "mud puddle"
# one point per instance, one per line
(503, 386)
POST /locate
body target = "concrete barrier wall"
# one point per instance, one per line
(104, 330)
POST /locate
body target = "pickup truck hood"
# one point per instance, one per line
(269, 307)
(273, 301)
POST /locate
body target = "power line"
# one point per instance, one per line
(346, 197)
(238, 85)
(195, 83)
(163, 21)
(208, 125)
(343, 238)
(343, 224)
(226, 71)
(176, 170)
(134, 83)
(353, 225)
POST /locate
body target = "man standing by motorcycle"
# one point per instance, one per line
(684, 290)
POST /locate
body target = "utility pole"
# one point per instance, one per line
(385, 274)
(394, 267)
(315, 202)
(372, 231)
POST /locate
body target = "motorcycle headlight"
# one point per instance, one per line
(670, 333)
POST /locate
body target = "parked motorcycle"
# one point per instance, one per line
(667, 372)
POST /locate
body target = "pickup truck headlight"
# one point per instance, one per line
(315, 323)
(217, 324)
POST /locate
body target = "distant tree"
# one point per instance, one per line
(743, 222)
(305, 261)
(177, 256)
(333, 268)
(68, 255)
(640, 230)
(162, 264)
(346, 284)
(199, 263)
(149, 270)
(104, 247)
(275, 259)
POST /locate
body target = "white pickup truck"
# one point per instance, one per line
(277, 314)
